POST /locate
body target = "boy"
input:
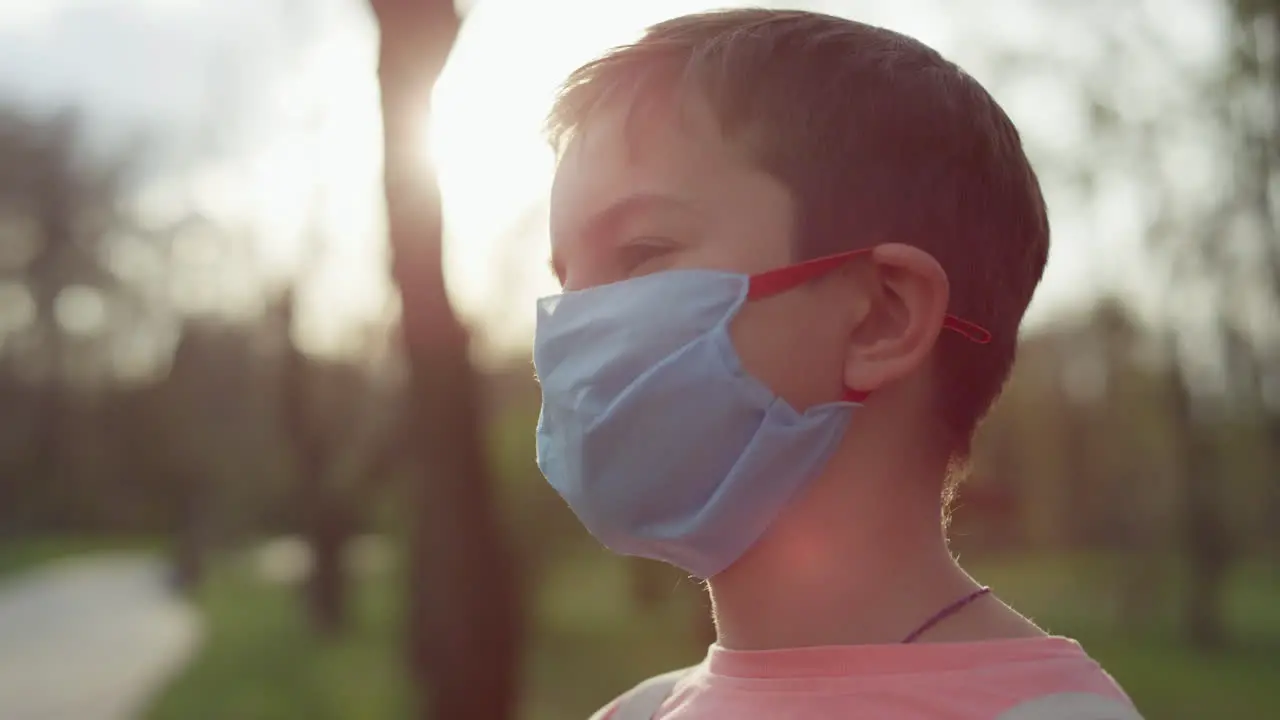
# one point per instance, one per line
(795, 251)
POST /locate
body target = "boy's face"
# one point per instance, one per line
(665, 190)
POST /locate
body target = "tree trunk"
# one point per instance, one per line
(1204, 531)
(1142, 575)
(464, 615)
(325, 523)
(189, 530)
(1273, 470)
(326, 588)
(49, 466)
(190, 499)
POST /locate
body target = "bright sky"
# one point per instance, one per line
(279, 100)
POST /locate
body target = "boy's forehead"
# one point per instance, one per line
(624, 148)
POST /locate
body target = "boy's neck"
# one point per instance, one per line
(858, 559)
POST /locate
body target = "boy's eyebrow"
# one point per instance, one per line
(616, 215)
(605, 223)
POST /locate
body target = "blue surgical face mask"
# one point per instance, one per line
(652, 431)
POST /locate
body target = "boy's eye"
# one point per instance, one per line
(636, 254)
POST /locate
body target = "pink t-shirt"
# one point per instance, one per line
(1032, 678)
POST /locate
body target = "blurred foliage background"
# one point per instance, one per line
(204, 365)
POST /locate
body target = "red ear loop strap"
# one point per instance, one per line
(773, 282)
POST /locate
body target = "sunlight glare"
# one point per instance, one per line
(485, 138)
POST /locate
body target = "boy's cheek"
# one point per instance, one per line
(792, 357)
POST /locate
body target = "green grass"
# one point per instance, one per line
(18, 556)
(260, 661)
(1167, 679)
(1168, 682)
(589, 642)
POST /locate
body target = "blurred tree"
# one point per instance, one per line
(345, 444)
(1237, 251)
(327, 522)
(464, 609)
(1150, 102)
(1255, 117)
(1204, 538)
(56, 205)
(201, 417)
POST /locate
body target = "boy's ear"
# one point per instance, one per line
(906, 295)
